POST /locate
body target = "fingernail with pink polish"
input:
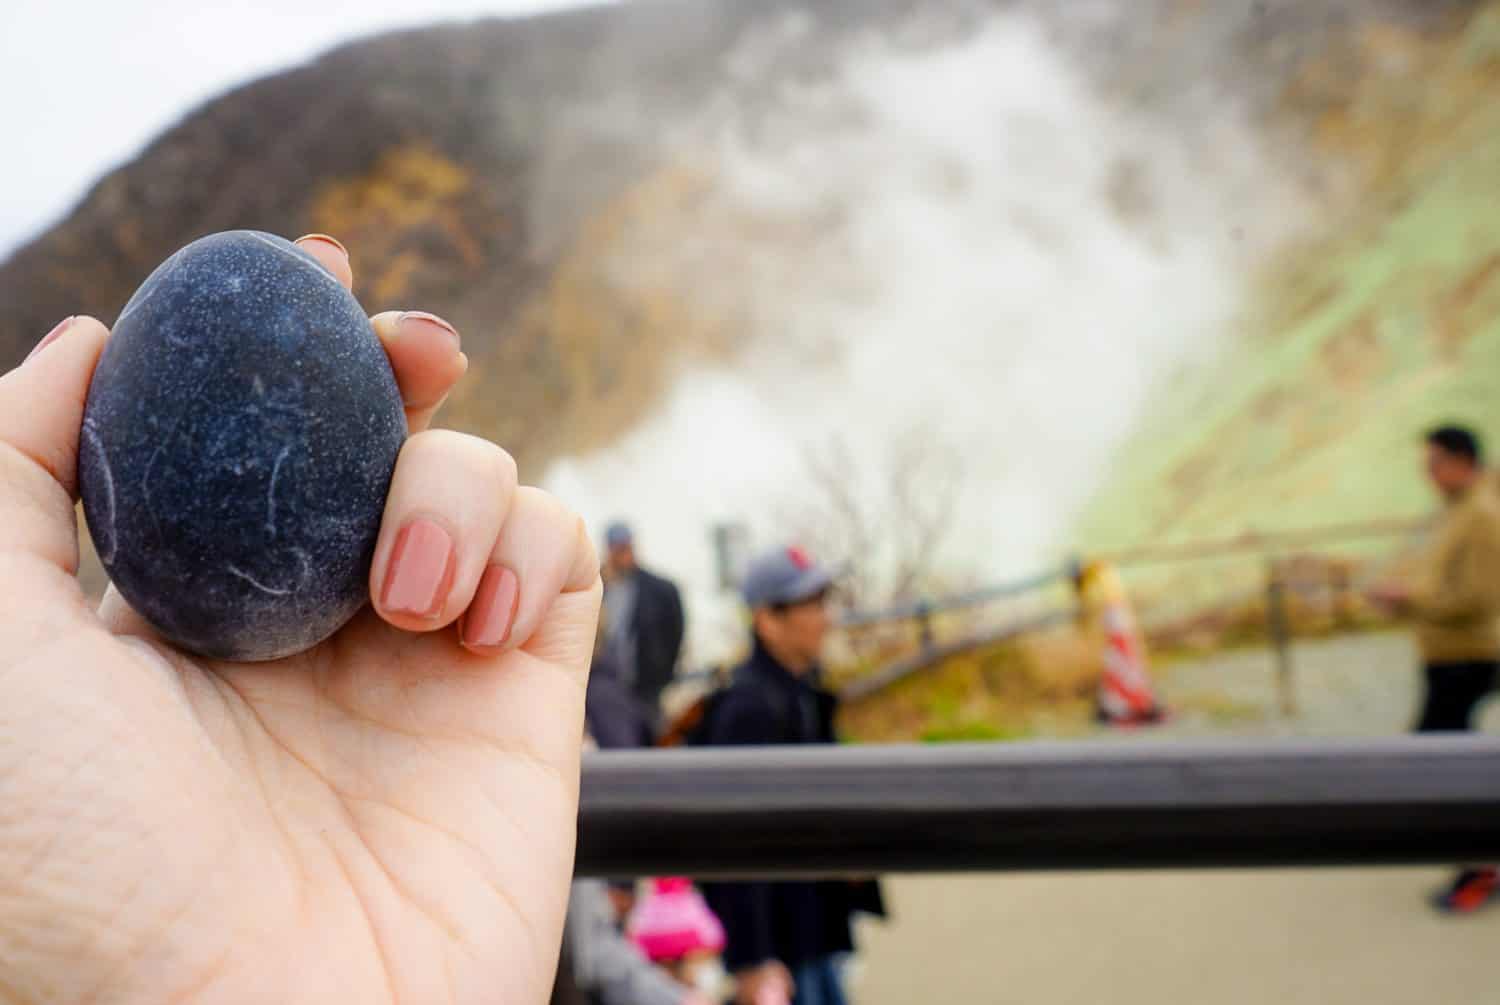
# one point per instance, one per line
(420, 571)
(422, 318)
(50, 337)
(326, 240)
(490, 617)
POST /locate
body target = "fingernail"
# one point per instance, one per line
(421, 570)
(50, 337)
(326, 240)
(492, 613)
(420, 318)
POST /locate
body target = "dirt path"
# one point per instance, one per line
(1315, 937)
(1365, 685)
(1329, 937)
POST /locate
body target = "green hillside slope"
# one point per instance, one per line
(1356, 342)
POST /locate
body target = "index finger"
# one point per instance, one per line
(330, 254)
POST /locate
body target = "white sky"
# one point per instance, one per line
(85, 85)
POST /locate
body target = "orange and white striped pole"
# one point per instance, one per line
(1126, 695)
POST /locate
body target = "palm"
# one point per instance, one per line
(359, 822)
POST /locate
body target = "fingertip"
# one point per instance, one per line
(419, 576)
(90, 324)
(88, 335)
(485, 628)
(430, 324)
(425, 357)
(74, 327)
(42, 401)
(62, 355)
(330, 254)
(385, 324)
(548, 546)
(445, 506)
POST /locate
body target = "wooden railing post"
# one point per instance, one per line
(1281, 637)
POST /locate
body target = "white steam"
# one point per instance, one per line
(996, 251)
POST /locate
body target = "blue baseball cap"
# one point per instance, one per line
(618, 535)
(785, 576)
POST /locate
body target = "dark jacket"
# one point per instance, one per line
(793, 922)
(614, 715)
(658, 625)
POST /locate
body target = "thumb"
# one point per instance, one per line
(41, 415)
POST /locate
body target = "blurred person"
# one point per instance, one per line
(614, 720)
(674, 927)
(643, 615)
(784, 937)
(1455, 602)
(599, 965)
(615, 716)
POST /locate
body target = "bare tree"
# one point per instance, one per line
(923, 479)
(887, 517)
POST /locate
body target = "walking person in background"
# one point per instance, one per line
(643, 625)
(1455, 602)
(784, 938)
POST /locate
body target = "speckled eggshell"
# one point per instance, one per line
(238, 443)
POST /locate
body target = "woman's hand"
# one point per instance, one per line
(386, 818)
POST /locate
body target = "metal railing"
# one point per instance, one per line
(928, 606)
(1249, 543)
(929, 651)
(799, 811)
(1258, 543)
(930, 654)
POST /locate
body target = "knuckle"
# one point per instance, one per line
(505, 467)
(447, 446)
(546, 507)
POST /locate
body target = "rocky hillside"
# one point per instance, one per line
(515, 174)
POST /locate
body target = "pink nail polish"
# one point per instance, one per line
(326, 240)
(50, 337)
(420, 571)
(492, 613)
(432, 320)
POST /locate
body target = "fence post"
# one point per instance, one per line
(1281, 636)
(924, 625)
(1343, 596)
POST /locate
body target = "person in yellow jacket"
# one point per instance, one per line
(1455, 602)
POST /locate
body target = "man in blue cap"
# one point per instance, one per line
(642, 626)
(784, 937)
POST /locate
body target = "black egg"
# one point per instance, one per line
(238, 443)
